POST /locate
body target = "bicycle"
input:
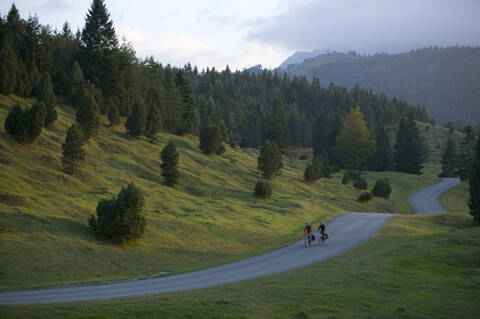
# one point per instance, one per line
(309, 240)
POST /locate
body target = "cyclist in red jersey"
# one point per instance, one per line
(308, 230)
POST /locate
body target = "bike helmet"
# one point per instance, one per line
(308, 223)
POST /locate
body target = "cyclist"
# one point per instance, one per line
(321, 230)
(308, 230)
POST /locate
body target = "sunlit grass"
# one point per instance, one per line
(210, 218)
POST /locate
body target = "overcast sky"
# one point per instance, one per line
(248, 32)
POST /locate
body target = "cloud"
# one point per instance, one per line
(372, 25)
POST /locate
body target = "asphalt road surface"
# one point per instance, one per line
(425, 201)
(346, 231)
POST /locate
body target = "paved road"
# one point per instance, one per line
(346, 231)
(425, 201)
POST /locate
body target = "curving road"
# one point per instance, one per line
(425, 201)
(347, 231)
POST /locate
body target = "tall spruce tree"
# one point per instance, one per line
(277, 129)
(474, 182)
(449, 160)
(467, 154)
(173, 105)
(136, 122)
(47, 96)
(354, 144)
(408, 151)
(382, 159)
(190, 117)
(113, 115)
(73, 148)
(88, 116)
(9, 67)
(212, 137)
(76, 85)
(153, 122)
(269, 160)
(170, 159)
(99, 47)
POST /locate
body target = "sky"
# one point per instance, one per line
(250, 32)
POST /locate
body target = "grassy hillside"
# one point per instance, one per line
(416, 266)
(210, 218)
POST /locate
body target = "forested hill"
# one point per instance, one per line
(445, 80)
(91, 68)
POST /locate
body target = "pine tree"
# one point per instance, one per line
(449, 160)
(191, 116)
(88, 116)
(212, 137)
(174, 107)
(382, 159)
(113, 116)
(73, 148)
(153, 124)
(76, 85)
(122, 217)
(277, 130)
(136, 122)
(170, 159)
(467, 154)
(354, 144)
(474, 182)
(9, 67)
(30, 124)
(269, 160)
(99, 48)
(13, 119)
(408, 148)
(47, 96)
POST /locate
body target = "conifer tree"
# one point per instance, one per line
(88, 116)
(354, 144)
(30, 124)
(99, 47)
(449, 160)
(212, 137)
(277, 130)
(136, 122)
(269, 160)
(382, 159)
(113, 116)
(73, 148)
(170, 159)
(76, 85)
(408, 148)
(47, 96)
(122, 217)
(153, 122)
(13, 120)
(174, 107)
(467, 154)
(474, 182)
(191, 116)
(9, 67)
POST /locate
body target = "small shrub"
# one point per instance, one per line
(263, 189)
(345, 178)
(365, 197)
(303, 157)
(360, 183)
(382, 188)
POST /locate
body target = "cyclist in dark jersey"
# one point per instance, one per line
(321, 230)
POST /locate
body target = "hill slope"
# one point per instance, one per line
(210, 218)
(445, 80)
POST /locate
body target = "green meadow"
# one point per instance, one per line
(416, 266)
(210, 218)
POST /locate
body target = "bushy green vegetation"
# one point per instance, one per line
(382, 188)
(365, 197)
(263, 189)
(269, 161)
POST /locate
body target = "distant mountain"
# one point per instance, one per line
(298, 57)
(445, 80)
